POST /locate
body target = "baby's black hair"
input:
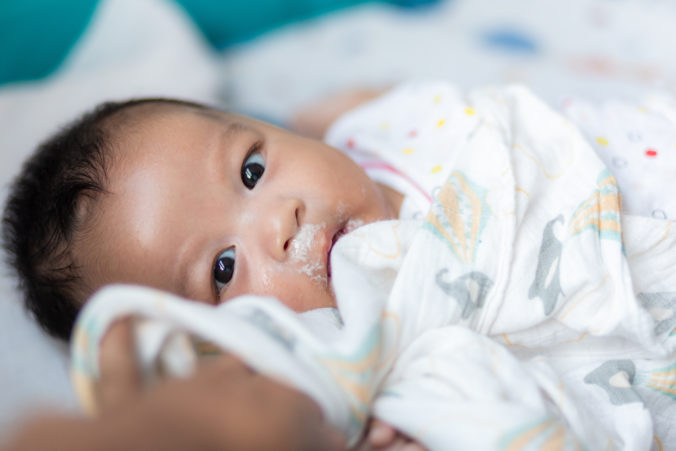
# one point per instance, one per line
(41, 219)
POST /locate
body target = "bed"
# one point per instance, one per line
(564, 51)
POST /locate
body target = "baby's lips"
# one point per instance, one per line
(331, 240)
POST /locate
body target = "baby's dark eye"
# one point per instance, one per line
(252, 169)
(224, 268)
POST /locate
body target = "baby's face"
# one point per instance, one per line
(214, 206)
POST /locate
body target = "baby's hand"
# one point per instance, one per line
(223, 405)
(382, 436)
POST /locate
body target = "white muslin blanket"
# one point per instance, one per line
(524, 311)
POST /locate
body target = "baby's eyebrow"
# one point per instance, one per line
(235, 127)
(232, 123)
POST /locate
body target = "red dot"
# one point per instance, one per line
(651, 153)
(350, 143)
(413, 133)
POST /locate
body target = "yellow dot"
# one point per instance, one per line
(643, 109)
(602, 141)
(437, 98)
(435, 169)
(470, 111)
(407, 151)
(441, 123)
(385, 126)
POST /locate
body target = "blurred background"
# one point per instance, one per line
(268, 58)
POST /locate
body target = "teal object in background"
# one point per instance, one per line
(36, 35)
(230, 22)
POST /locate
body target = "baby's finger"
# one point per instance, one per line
(380, 434)
(413, 446)
(120, 376)
(401, 443)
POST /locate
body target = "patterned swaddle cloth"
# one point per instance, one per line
(524, 311)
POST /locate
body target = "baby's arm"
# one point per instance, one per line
(121, 384)
(314, 120)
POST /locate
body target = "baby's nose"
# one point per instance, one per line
(283, 224)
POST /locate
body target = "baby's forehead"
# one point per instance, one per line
(156, 129)
(143, 114)
(152, 123)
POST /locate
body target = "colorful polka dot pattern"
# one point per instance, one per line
(440, 123)
(637, 144)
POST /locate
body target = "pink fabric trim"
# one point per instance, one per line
(391, 169)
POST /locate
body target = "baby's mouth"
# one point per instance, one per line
(342, 230)
(344, 227)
